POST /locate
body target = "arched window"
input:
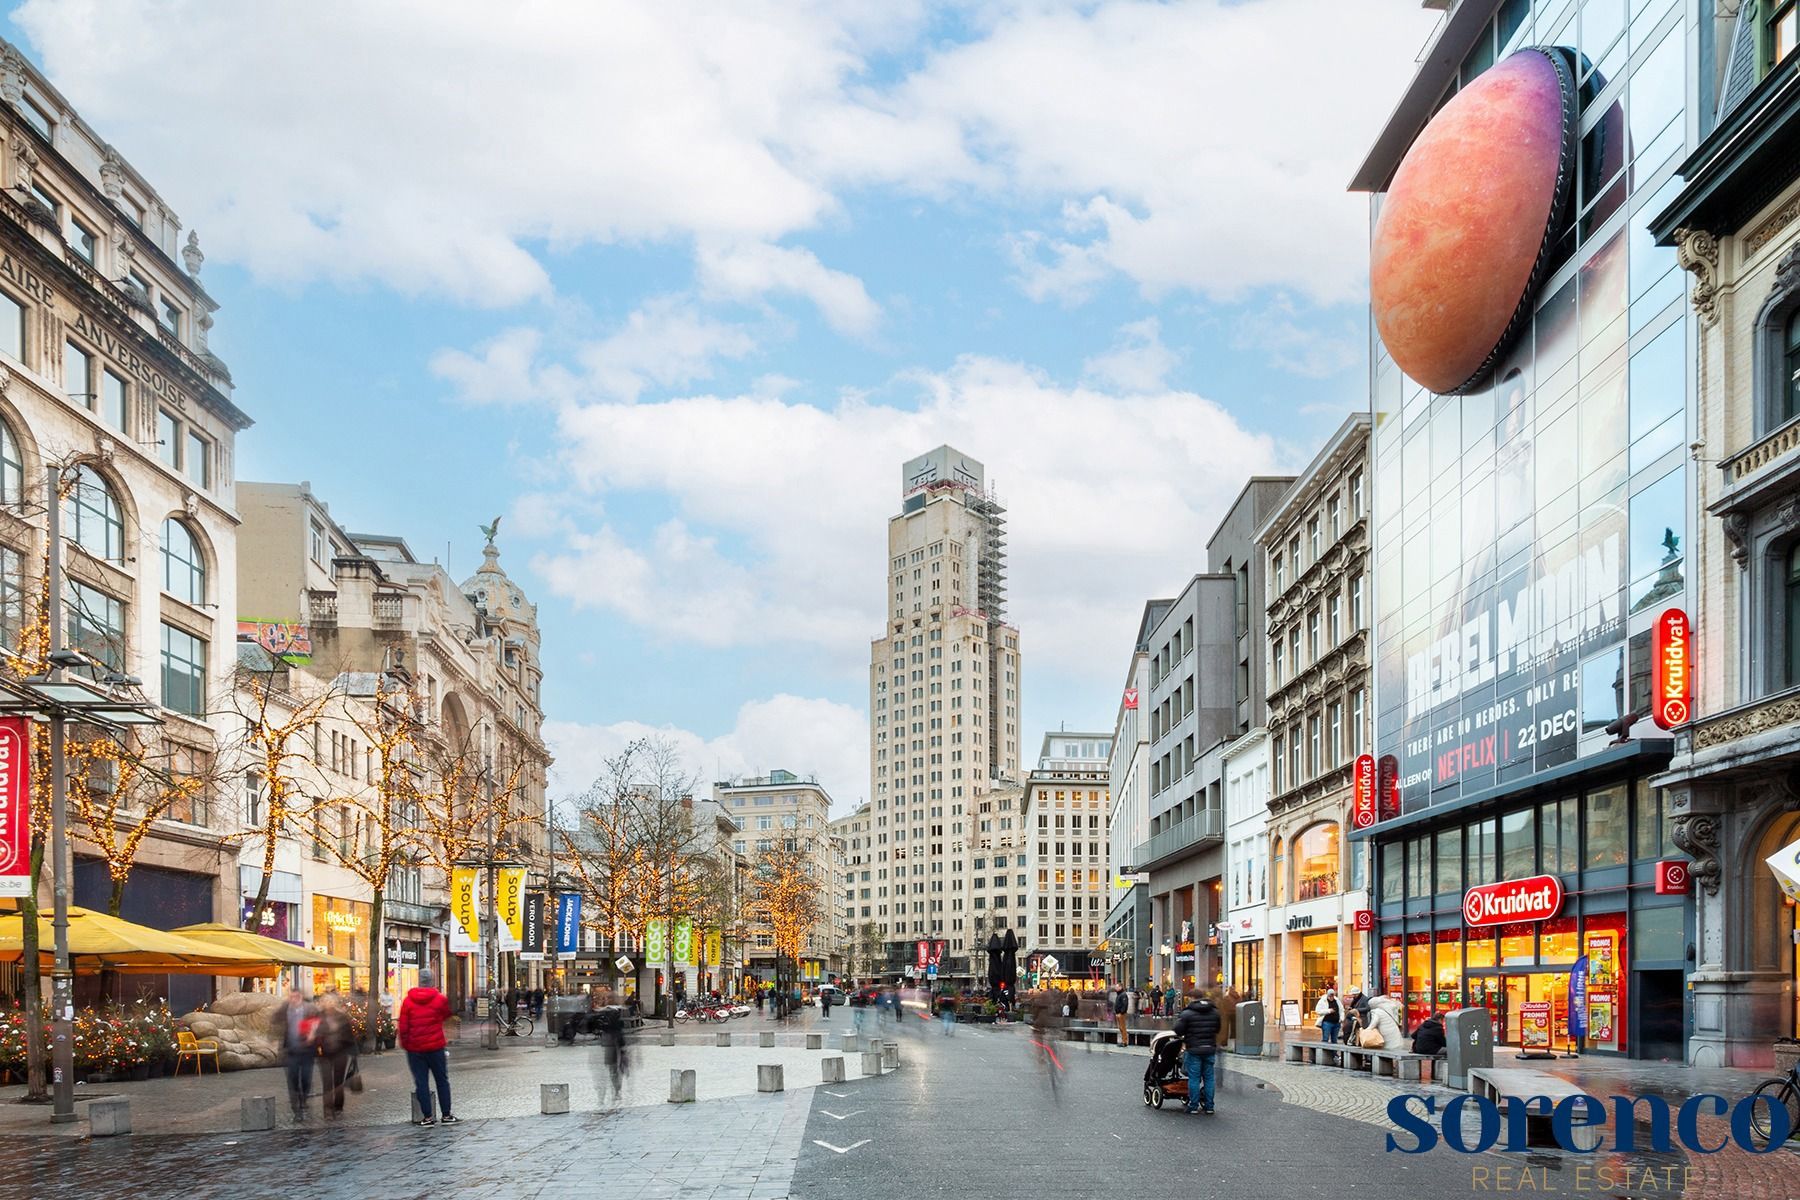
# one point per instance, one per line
(92, 516)
(12, 468)
(1316, 862)
(1791, 599)
(184, 566)
(1789, 403)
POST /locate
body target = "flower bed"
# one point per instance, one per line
(114, 1040)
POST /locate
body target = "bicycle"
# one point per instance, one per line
(519, 1026)
(1783, 1090)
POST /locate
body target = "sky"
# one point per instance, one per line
(675, 288)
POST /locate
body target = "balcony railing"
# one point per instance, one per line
(322, 608)
(1205, 826)
(390, 611)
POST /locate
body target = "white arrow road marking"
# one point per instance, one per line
(839, 1095)
(845, 1117)
(840, 1149)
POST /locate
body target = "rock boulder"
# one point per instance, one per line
(240, 1022)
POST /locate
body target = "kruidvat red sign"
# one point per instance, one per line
(1672, 659)
(1131, 697)
(1365, 919)
(1536, 899)
(923, 949)
(1672, 878)
(1362, 783)
(1387, 787)
(15, 807)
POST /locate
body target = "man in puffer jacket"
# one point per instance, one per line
(1198, 1028)
(1388, 1018)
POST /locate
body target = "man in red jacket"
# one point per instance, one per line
(421, 1031)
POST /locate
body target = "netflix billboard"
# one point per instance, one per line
(15, 807)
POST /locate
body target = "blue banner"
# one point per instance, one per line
(1578, 988)
(568, 922)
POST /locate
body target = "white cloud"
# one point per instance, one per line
(1308, 346)
(1138, 360)
(749, 270)
(434, 148)
(807, 736)
(781, 506)
(667, 342)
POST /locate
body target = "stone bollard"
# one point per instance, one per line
(766, 1039)
(109, 1117)
(847, 1041)
(872, 1045)
(833, 1070)
(721, 1039)
(666, 1037)
(681, 1087)
(256, 1113)
(553, 1098)
(815, 1041)
(890, 1057)
(768, 1077)
(871, 1062)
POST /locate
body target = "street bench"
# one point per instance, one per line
(1394, 1064)
(1509, 1086)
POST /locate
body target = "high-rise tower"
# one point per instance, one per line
(943, 712)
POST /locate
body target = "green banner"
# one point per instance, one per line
(656, 935)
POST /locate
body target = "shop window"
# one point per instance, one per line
(1518, 945)
(1607, 826)
(1790, 603)
(1518, 847)
(1482, 836)
(1650, 840)
(1419, 979)
(1449, 861)
(1393, 879)
(1557, 942)
(1558, 836)
(1316, 858)
(1418, 869)
(1603, 941)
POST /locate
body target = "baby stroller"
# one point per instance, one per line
(1166, 1077)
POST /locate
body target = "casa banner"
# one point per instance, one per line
(656, 941)
(682, 951)
(465, 912)
(15, 807)
(509, 907)
(532, 943)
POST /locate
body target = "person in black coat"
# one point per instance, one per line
(1428, 1038)
(1198, 1028)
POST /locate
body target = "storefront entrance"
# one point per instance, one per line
(1518, 1024)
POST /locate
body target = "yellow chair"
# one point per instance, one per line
(197, 1048)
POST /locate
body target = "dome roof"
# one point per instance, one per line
(495, 593)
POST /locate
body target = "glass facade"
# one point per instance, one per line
(1528, 534)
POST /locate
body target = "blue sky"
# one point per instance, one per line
(676, 290)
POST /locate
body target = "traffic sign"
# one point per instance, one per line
(623, 963)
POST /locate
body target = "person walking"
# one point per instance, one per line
(420, 1028)
(1169, 1009)
(1331, 1015)
(1198, 1028)
(610, 1020)
(293, 1025)
(337, 1052)
(1121, 1012)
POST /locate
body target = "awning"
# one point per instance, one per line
(245, 942)
(98, 942)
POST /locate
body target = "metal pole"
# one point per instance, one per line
(490, 953)
(62, 978)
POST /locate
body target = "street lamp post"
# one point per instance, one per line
(48, 697)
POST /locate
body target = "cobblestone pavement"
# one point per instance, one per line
(484, 1083)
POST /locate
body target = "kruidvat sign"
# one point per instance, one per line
(1536, 899)
(15, 807)
(1362, 783)
(1672, 653)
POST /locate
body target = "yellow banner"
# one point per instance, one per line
(715, 947)
(465, 916)
(509, 905)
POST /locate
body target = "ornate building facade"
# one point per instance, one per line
(105, 373)
(1317, 548)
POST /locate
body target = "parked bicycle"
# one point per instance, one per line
(1784, 1091)
(512, 1026)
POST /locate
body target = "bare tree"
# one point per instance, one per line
(279, 723)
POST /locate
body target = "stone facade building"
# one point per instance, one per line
(777, 808)
(1735, 224)
(105, 373)
(1069, 873)
(944, 685)
(1317, 547)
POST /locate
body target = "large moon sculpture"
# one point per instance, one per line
(1470, 218)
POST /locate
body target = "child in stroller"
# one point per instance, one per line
(1166, 1076)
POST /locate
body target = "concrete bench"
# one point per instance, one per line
(1507, 1086)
